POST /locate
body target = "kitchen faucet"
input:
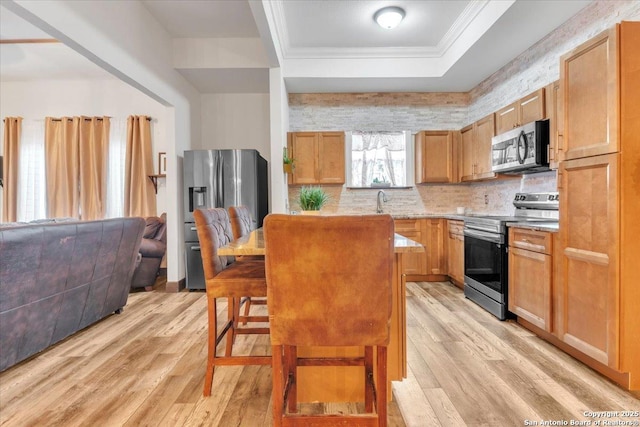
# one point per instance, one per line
(380, 200)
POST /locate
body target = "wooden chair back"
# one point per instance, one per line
(241, 221)
(214, 231)
(329, 279)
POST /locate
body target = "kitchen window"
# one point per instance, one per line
(379, 159)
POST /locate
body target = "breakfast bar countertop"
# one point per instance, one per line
(253, 244)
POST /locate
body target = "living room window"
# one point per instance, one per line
(379, 159)
(31, 202)
(32, 188)
(115, 171)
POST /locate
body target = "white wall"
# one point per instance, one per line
(56, 98)
(279, 107)
(125, 39)
(236, 120)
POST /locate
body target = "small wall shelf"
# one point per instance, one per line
(154, 181)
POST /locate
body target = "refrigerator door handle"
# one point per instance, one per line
(220, 187)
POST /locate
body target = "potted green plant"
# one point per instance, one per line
(287, 162)
(377, 183)
(312, 199)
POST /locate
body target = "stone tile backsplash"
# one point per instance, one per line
(435, 199)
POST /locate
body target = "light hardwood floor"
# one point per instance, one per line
(146, 367)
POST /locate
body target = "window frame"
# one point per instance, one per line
(409, 139)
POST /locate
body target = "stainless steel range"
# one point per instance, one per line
(485, 249)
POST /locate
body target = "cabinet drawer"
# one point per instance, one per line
(532, 240)
(455, 227)
(406, 225)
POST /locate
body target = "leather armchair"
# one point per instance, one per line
(152, 249)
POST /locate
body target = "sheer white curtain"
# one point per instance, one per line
(31, 182)
(378, 157)
(115, 173)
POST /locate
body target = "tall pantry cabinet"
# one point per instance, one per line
(598, 292)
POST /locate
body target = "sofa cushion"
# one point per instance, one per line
(153, 225)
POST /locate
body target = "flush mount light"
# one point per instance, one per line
(389, 17)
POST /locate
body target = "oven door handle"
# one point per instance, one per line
(483, 235)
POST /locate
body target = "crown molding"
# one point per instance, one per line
(466, 18)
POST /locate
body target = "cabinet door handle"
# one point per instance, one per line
(560, 136)
(559, 180)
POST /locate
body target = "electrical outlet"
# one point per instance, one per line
(486, 199)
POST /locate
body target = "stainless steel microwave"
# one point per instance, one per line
(521, 150)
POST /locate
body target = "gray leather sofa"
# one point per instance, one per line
(57, 278)
(152, 250)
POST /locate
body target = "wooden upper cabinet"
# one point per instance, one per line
(303, 150)
(484, 130)
(525, 110)
(319, 157)
(553, 101)
(589, 77)
(331, 167)
(507, 118)
(475, 148)
(435, 158)
(467, 158)
(532, 107)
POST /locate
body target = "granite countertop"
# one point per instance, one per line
(435, 215)
(550, 226)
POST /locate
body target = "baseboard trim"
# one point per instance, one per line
(175, 287)
(427, 277)
(621, 378)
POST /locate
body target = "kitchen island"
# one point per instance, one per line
(340, 383)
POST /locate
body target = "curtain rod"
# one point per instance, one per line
(28, 41)
(59, 120)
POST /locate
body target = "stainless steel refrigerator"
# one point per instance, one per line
(220, 179)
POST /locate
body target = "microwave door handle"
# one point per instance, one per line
(523, 137)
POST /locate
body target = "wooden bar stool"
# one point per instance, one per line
(225, 278)
(242, 224)
(329, 283)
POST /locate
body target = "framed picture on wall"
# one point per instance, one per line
(162, 163)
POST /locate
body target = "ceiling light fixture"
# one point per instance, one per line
(389, 17)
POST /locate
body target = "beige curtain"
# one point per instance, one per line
(76, 154)
(12, 131)
(61, 138)
(140, 197)
(94, 154)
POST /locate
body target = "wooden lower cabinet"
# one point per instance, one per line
(413, 263)
(430, 265)
(589, 312)
(455, 252)
(435, 229)
(530, 276)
